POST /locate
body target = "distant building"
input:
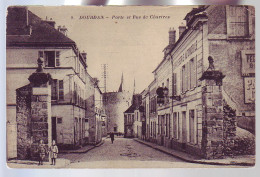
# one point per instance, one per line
(115, 104)
(132, 118)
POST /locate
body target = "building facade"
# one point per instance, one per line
(217, 39)
(29, 38)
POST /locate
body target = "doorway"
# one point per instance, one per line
(184, 131)
(54, 128)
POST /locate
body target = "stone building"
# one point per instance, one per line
(133, 118)
(28, 38)
(210, 66)
(129, 118)
(95, 114)
(115, 104)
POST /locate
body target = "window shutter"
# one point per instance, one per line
(57, 58)
(61, 90)
(54, 88)
(238, 21)
(187, 75)
(182, 78)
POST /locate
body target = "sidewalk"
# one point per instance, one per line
(60, 163)
(245, 160)
(81, 150)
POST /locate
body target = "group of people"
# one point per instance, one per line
(52, 151)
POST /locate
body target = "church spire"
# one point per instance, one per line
(121, 85)
(134, 87)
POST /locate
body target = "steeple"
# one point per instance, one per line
(134, 87)
(121, 85)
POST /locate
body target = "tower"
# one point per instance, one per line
(121, 85)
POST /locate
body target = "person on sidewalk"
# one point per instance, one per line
(53, 152)
(112, 137)
(42, 152)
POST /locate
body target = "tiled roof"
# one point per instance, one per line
(18, 33)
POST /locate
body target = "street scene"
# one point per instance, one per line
(130, 87)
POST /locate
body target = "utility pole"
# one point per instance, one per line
(104, 75)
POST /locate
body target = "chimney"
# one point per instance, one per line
(63, 29)
(182, 28)
(50, 22)
(172, 36)
(84, 54)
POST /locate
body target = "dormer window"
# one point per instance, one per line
(51, 58)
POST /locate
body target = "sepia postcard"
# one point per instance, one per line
(130, 86)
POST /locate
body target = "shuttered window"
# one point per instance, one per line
(51, 58)
(57, 90)
(193, 73)
(237, 21)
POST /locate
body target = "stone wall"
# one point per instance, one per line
(23, 118)
(229, 122)
(212, 124)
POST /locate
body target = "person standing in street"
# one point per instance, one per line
(53, 152)
(112, 137)
(42, 152)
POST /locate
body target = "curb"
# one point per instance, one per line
(196, 161)
(81, 152)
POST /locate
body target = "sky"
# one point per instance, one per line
(130, 46)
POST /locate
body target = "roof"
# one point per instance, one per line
(136, 102)
(131, 109)
(196, 15)
(31, 30)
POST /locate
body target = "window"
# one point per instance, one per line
(183, 85)
(175, 125)
(193, 73)
(51, 58)
(59, 120)
(178, 126)
(237, 21)
(159, 125)
(57, 90)
(174, 84)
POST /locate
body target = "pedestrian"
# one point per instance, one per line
(53, 152)
(112, 137)
(42, 152)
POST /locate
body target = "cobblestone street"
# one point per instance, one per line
(126, 153)
(122, 149)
